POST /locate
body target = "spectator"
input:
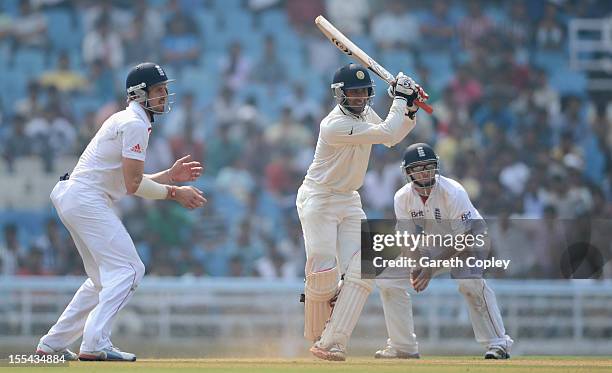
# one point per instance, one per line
(597, 147)
(170, 222)
(152, 22)
(235, 67)
(17, 144)
(269, 71)
(533, 201)
(544, 96)
(550, 33)
(236, 180)
(213, 254)
(352, 20)
(181, 45)
(380, 182)
(101, 79)
(510, 240)
(86, 131)
(517, 27)
(303, 106)
(10, 251)
(466, 91)
(31, 105)
(301, 13)
(225, 106)
(184, 128)
(320, 57)
(32, 264)
(439, 26)
(103, 43)
(64, 78)
(29, 30)
(395, 28)
(287, 133)
(221, 151)
(248, 247)
(475, 25)
(278, 175)
(52, 246)
(138, 46)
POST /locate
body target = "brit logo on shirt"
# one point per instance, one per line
(417, 214)
(437, 214)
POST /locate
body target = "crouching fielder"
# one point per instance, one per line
(329, 206)
(111, 167)
(432, 197)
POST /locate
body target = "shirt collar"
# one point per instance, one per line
(135, 107)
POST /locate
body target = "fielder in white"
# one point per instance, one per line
(329, 206)
(111, 167)
(429, 197)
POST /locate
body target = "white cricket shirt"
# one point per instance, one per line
(345, 140)
(448, 202)
(123, 134)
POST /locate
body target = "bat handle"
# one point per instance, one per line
(425, 107)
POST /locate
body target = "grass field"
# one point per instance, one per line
(438, 364)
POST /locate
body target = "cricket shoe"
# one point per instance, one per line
(333, 353)
(497, 353)
(108, 354)
(43, 350)
(391, 353)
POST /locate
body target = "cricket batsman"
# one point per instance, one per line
(111, 167)
(329, 206)
(433, 198)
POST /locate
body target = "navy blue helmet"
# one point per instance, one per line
(141, 78)
(420, 165)
(352, 76)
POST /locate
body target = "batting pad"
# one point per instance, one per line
(351, 300)
(319, 289)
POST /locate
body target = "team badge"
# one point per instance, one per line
(360, 75)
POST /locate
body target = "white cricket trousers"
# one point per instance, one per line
(331, 223)
(111, 263)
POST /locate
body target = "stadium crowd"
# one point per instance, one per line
(512, 122)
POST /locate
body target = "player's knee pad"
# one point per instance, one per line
(320, 287)
(473, 290)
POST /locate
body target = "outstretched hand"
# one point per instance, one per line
(185, 170)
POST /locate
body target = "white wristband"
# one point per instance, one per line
(150, 189)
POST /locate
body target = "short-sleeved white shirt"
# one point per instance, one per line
(123, 134)
(448, 202)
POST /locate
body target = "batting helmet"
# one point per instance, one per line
(420, 165)
(139, 81)
(352, 76)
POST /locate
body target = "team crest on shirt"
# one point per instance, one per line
(466, 216)
(437, 214)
